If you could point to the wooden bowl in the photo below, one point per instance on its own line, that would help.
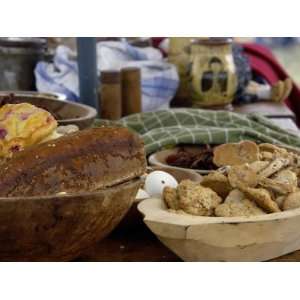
(56, 96)
(65, 112)
(58, 228)
(193, 238)
(158, 159)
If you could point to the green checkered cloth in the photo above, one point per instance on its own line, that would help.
(162, 129)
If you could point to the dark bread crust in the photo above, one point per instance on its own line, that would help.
(84, 161)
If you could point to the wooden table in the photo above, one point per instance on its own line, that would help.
(135, 242)
(266, 108)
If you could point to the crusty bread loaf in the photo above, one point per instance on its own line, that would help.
(80, 162)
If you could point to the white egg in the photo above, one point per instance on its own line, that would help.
(156, 181)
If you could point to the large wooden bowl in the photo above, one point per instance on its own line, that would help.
(58, 228)
(65, 112)
(193, 238)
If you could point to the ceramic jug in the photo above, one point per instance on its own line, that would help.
(212, 72)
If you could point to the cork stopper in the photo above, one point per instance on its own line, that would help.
(131, 70)
(110, 77)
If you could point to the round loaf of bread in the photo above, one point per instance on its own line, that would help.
(87, 160)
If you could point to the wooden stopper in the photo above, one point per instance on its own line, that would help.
(131, 91)
(110, 94)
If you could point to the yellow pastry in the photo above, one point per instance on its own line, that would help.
(23, 125)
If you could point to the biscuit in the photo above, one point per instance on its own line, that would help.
(286, 176)
(262, 198)
(271, 152)
(196, 199)
(235, 153)
(242, 176)
(235, 196)
(266, 156)
(275, 166)
(170, 198)
(258, 166)
(279, 200)
(283, 182)
(266, 147)
(236, 205)
(243, 208)
(292, 201)
(218, 182)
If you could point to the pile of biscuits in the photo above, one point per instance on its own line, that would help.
(251, 180)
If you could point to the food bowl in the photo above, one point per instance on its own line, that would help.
(59, 227)
(65, 112)
(194, 238)
(158, 159)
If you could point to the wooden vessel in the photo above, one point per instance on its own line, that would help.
(193, 238)
(64, 111)
(59, 227)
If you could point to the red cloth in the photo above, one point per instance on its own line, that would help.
(264, 63)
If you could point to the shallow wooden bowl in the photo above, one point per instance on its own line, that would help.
(194, 238)
(58, 228)
(65, 112)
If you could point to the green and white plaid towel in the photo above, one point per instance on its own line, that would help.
(195, 126)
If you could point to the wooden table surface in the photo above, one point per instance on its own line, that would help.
(266, 108)
(136, 243)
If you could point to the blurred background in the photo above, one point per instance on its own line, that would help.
(286, 49)
(71, 68)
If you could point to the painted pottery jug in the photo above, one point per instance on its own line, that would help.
(212, 72)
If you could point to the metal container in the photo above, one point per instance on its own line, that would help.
(18, 58)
